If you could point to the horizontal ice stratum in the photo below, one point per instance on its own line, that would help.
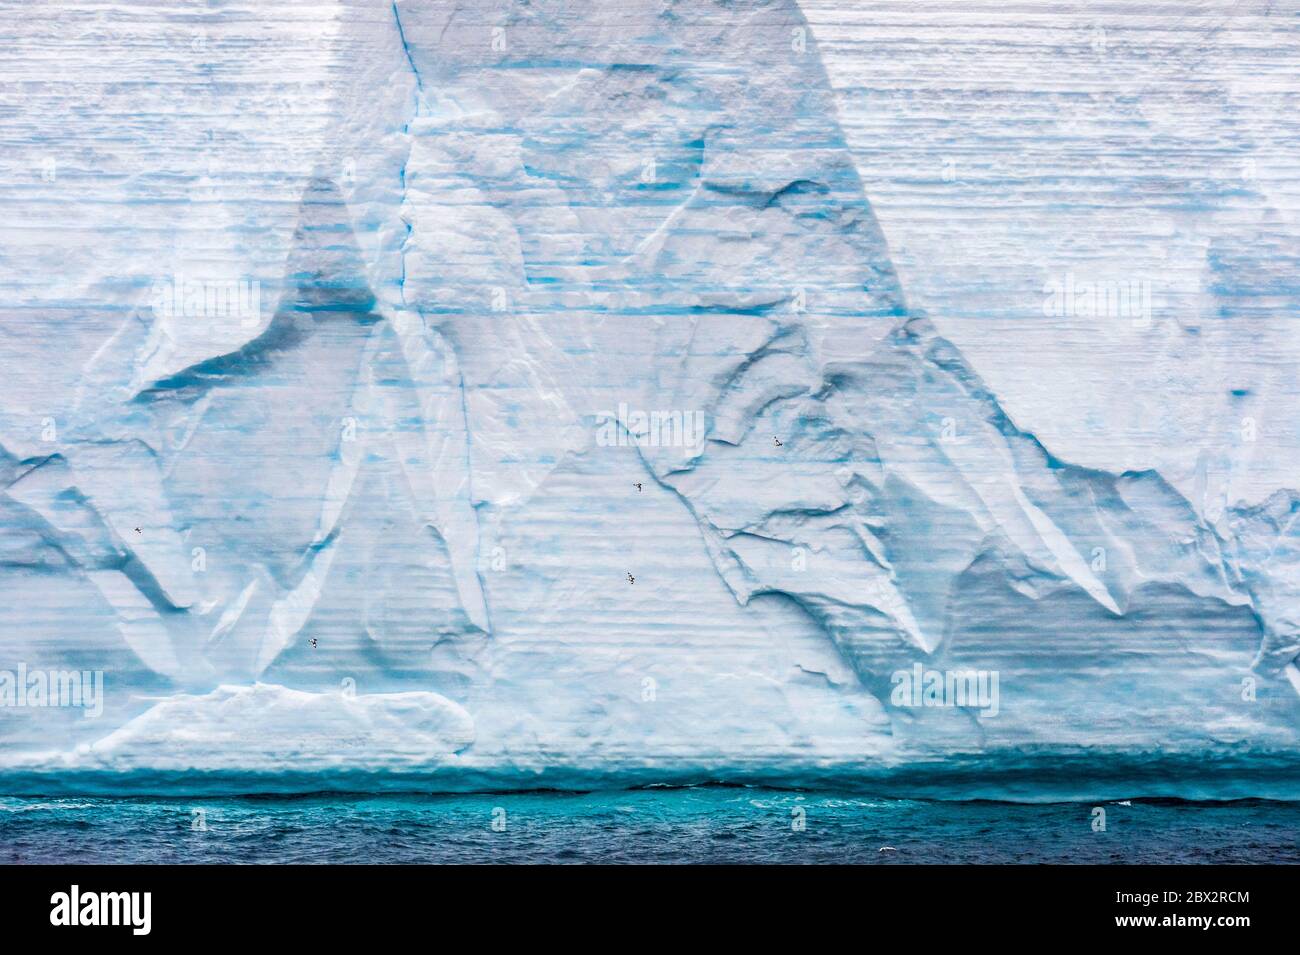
(517, 394)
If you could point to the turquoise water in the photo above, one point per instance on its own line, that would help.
(707, 824)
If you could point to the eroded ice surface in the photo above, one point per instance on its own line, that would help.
(397, 510)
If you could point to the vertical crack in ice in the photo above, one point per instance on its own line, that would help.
(473, 598)
(406, 48)
(415, 112)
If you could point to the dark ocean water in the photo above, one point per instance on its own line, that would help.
(707, 824)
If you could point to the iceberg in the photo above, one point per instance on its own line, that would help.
(526, 395)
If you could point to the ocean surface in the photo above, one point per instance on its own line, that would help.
(696, 825)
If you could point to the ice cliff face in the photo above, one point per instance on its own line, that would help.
(523, 394)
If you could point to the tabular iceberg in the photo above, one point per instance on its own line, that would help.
(523, 394)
